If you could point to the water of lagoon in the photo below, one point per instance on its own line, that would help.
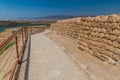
(3, 28)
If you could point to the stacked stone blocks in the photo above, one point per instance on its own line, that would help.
(99, 36)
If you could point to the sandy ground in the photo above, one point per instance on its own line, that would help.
(7, 60)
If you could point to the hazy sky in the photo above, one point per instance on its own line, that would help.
(11, 9)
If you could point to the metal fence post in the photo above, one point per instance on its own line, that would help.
(16, 42)
(31, 30)
(23, 36)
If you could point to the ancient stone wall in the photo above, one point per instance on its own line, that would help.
(99, 36)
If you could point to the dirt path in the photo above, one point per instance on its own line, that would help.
(49, 62)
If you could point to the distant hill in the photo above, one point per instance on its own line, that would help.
(55, 17)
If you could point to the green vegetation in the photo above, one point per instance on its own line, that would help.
(11, 24)
(7, 47)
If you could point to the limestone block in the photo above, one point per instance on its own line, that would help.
(111, 48)
(115, 57)
(101, 35)
(115, 44)
(86, 36)
(113, 37)
(117, 51)
(118, 39)
(109, 30)
(83, 44)
(107, 36)
(108, 53)
(103, 30)
(95, 29)
(92, 33)
(109, 42)
(116, 32)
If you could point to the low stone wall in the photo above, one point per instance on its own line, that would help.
(99, 36)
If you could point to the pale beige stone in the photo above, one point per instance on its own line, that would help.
(113, 37)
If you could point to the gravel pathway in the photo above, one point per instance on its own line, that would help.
(49, 62)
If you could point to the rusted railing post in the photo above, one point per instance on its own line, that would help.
(25, 33)
(31, 30)
(38, 29)
(23, 36)
(13, 70)
(16, 42)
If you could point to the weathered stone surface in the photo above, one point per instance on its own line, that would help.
(100, 34)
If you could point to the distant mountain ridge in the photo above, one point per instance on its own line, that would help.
(54, 17)
(58, 17)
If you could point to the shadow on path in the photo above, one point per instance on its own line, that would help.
(27, 61)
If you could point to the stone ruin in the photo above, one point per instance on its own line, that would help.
(98, 36)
